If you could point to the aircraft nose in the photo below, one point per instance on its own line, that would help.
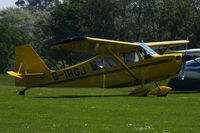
(186, 57)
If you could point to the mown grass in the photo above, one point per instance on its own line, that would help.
(44, 110)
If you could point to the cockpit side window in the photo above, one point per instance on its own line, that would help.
(129, 57)
(110, 60)
(100, 64)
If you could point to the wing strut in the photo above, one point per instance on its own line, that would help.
(120, 62)
(167, 48)
(104, 76)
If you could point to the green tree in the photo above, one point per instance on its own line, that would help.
(9, 38)
(67, 21)
(29, 22)
(140, 20)
(19, 18)
(85, 17)
(100, 18)
(34, 5)
(178, 20)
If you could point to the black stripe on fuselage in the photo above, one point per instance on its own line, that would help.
(101, 73)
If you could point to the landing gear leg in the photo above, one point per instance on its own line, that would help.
(23, 91)
(157, 85)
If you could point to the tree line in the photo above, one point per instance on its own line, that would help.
(43, 22)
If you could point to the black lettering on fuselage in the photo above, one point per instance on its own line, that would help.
(83, 72)
(65, 72)
(70, 73)
(74, 72)
(55, 75)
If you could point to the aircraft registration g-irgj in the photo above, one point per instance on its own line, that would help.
(115, 64)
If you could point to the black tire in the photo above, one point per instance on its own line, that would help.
(21, 93)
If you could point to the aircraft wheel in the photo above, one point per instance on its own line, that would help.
(162, 91)
(21, 93)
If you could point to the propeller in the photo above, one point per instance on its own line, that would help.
(183, 70)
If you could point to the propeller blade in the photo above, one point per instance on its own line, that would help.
(185, 58)
(183, 70)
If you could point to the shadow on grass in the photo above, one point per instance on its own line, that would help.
(93, 96)
(83, 96)
(183, 92)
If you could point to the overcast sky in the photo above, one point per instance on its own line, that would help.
(7, 3)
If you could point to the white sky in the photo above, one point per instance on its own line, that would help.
(7, 3)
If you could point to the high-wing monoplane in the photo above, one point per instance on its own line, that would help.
(115, 64)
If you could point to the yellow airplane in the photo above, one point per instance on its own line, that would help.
(115, 64)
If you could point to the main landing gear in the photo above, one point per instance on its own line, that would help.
(22, 92)
(160, 90)
(143, 91)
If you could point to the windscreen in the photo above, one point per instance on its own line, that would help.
(148, 50)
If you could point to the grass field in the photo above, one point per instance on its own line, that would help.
(46, 110)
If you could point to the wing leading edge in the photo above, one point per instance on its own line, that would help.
(166, 43)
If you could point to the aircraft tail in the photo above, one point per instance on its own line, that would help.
(27, 64)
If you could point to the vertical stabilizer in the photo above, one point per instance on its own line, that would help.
(28, 61)
(30, 70)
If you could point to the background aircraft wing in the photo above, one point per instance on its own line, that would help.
(91, 45)
(189, 51)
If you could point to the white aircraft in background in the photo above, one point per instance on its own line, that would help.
(191, 69)
(189, 76)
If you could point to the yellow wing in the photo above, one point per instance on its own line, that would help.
(91, 45)
(96, 45)
(166, 43)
